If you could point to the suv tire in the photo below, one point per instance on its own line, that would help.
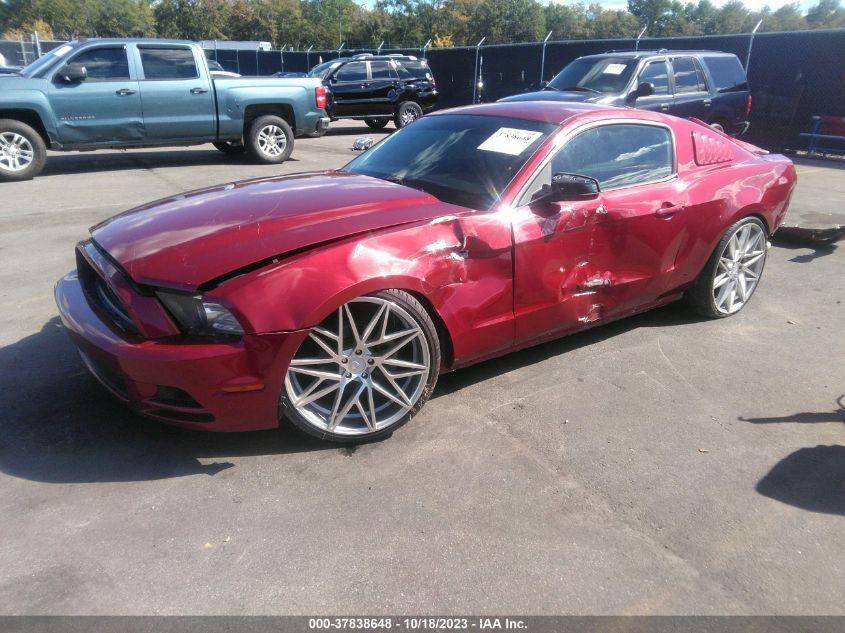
(269, 140)
(376, 124)
(22, 151)
(407, 113)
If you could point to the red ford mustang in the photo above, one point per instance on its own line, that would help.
(335, 298)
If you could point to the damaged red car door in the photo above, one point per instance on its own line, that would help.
(577, 262)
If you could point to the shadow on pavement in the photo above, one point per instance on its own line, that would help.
(810, 478)
(673, 314)
(816, 250)
(806, 417)
(62, 163)
(61, 426)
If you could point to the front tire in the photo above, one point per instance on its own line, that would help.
(407, 113)
(366, 370)
(733, 271)
(230, 148)
(22, 151)
(269, 140)
(376, 124)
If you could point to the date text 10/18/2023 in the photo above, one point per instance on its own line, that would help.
(416, 623)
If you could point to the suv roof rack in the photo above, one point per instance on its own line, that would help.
(638, 50)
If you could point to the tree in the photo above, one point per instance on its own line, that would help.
(504, 21)
(566, 21)
(827, 14)
(651, 14)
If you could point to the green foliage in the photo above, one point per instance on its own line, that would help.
(399, 23)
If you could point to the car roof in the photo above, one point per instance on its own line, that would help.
(641, 53)
(546, 111)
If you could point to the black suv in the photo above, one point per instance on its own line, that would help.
(378, 88)
(707, 85)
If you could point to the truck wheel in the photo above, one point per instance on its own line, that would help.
(376, 124)
(406, 113)
(22, 151)
(228, 147)
(269, 140)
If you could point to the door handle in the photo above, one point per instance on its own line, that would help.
(198, 91)
(124, 92)
(664, 106)
(667, 210)
(707, 103)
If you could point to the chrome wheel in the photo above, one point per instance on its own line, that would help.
(16, 152)
(272, 140)
(362, 370)
(739, 268)
(409, 115)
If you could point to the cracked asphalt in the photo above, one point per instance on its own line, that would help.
(662, 464)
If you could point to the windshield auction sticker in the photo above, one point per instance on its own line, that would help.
(508, 140)
(614, 69)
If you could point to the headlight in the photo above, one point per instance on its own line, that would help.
(195, 315)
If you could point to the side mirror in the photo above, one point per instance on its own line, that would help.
(645, 89)
(568, 187)
(71, 73)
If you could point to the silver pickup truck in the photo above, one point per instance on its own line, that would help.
(125, 93)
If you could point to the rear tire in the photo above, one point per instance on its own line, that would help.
(733, 271)
(269, 140)
(366, 370)
(230, 148)
(376, 124)
(23, 152)
(407, 113)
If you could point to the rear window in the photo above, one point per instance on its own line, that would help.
(168, 63)
(727, 73)
(417, 69)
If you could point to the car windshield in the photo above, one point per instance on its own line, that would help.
(461, 159)
(606, 75)
(46, 60)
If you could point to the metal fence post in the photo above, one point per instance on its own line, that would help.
(308, 58)
(750, 44)
(476, 79)
(637, 43)
(543, 59)
(425, 46)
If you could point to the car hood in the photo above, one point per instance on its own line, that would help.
(184, 241)
(556, 95)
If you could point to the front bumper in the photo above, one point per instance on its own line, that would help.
(227, 385)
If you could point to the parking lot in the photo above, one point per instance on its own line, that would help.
(663, 464)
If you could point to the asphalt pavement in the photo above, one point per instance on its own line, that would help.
(663, 464)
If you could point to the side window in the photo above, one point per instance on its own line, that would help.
(619, 155)
(688, 76)
(104, 64)
(168, 63)
(380, 70)
(353, 71)
(656, 73)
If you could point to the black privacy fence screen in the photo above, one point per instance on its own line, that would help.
(793, 75)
